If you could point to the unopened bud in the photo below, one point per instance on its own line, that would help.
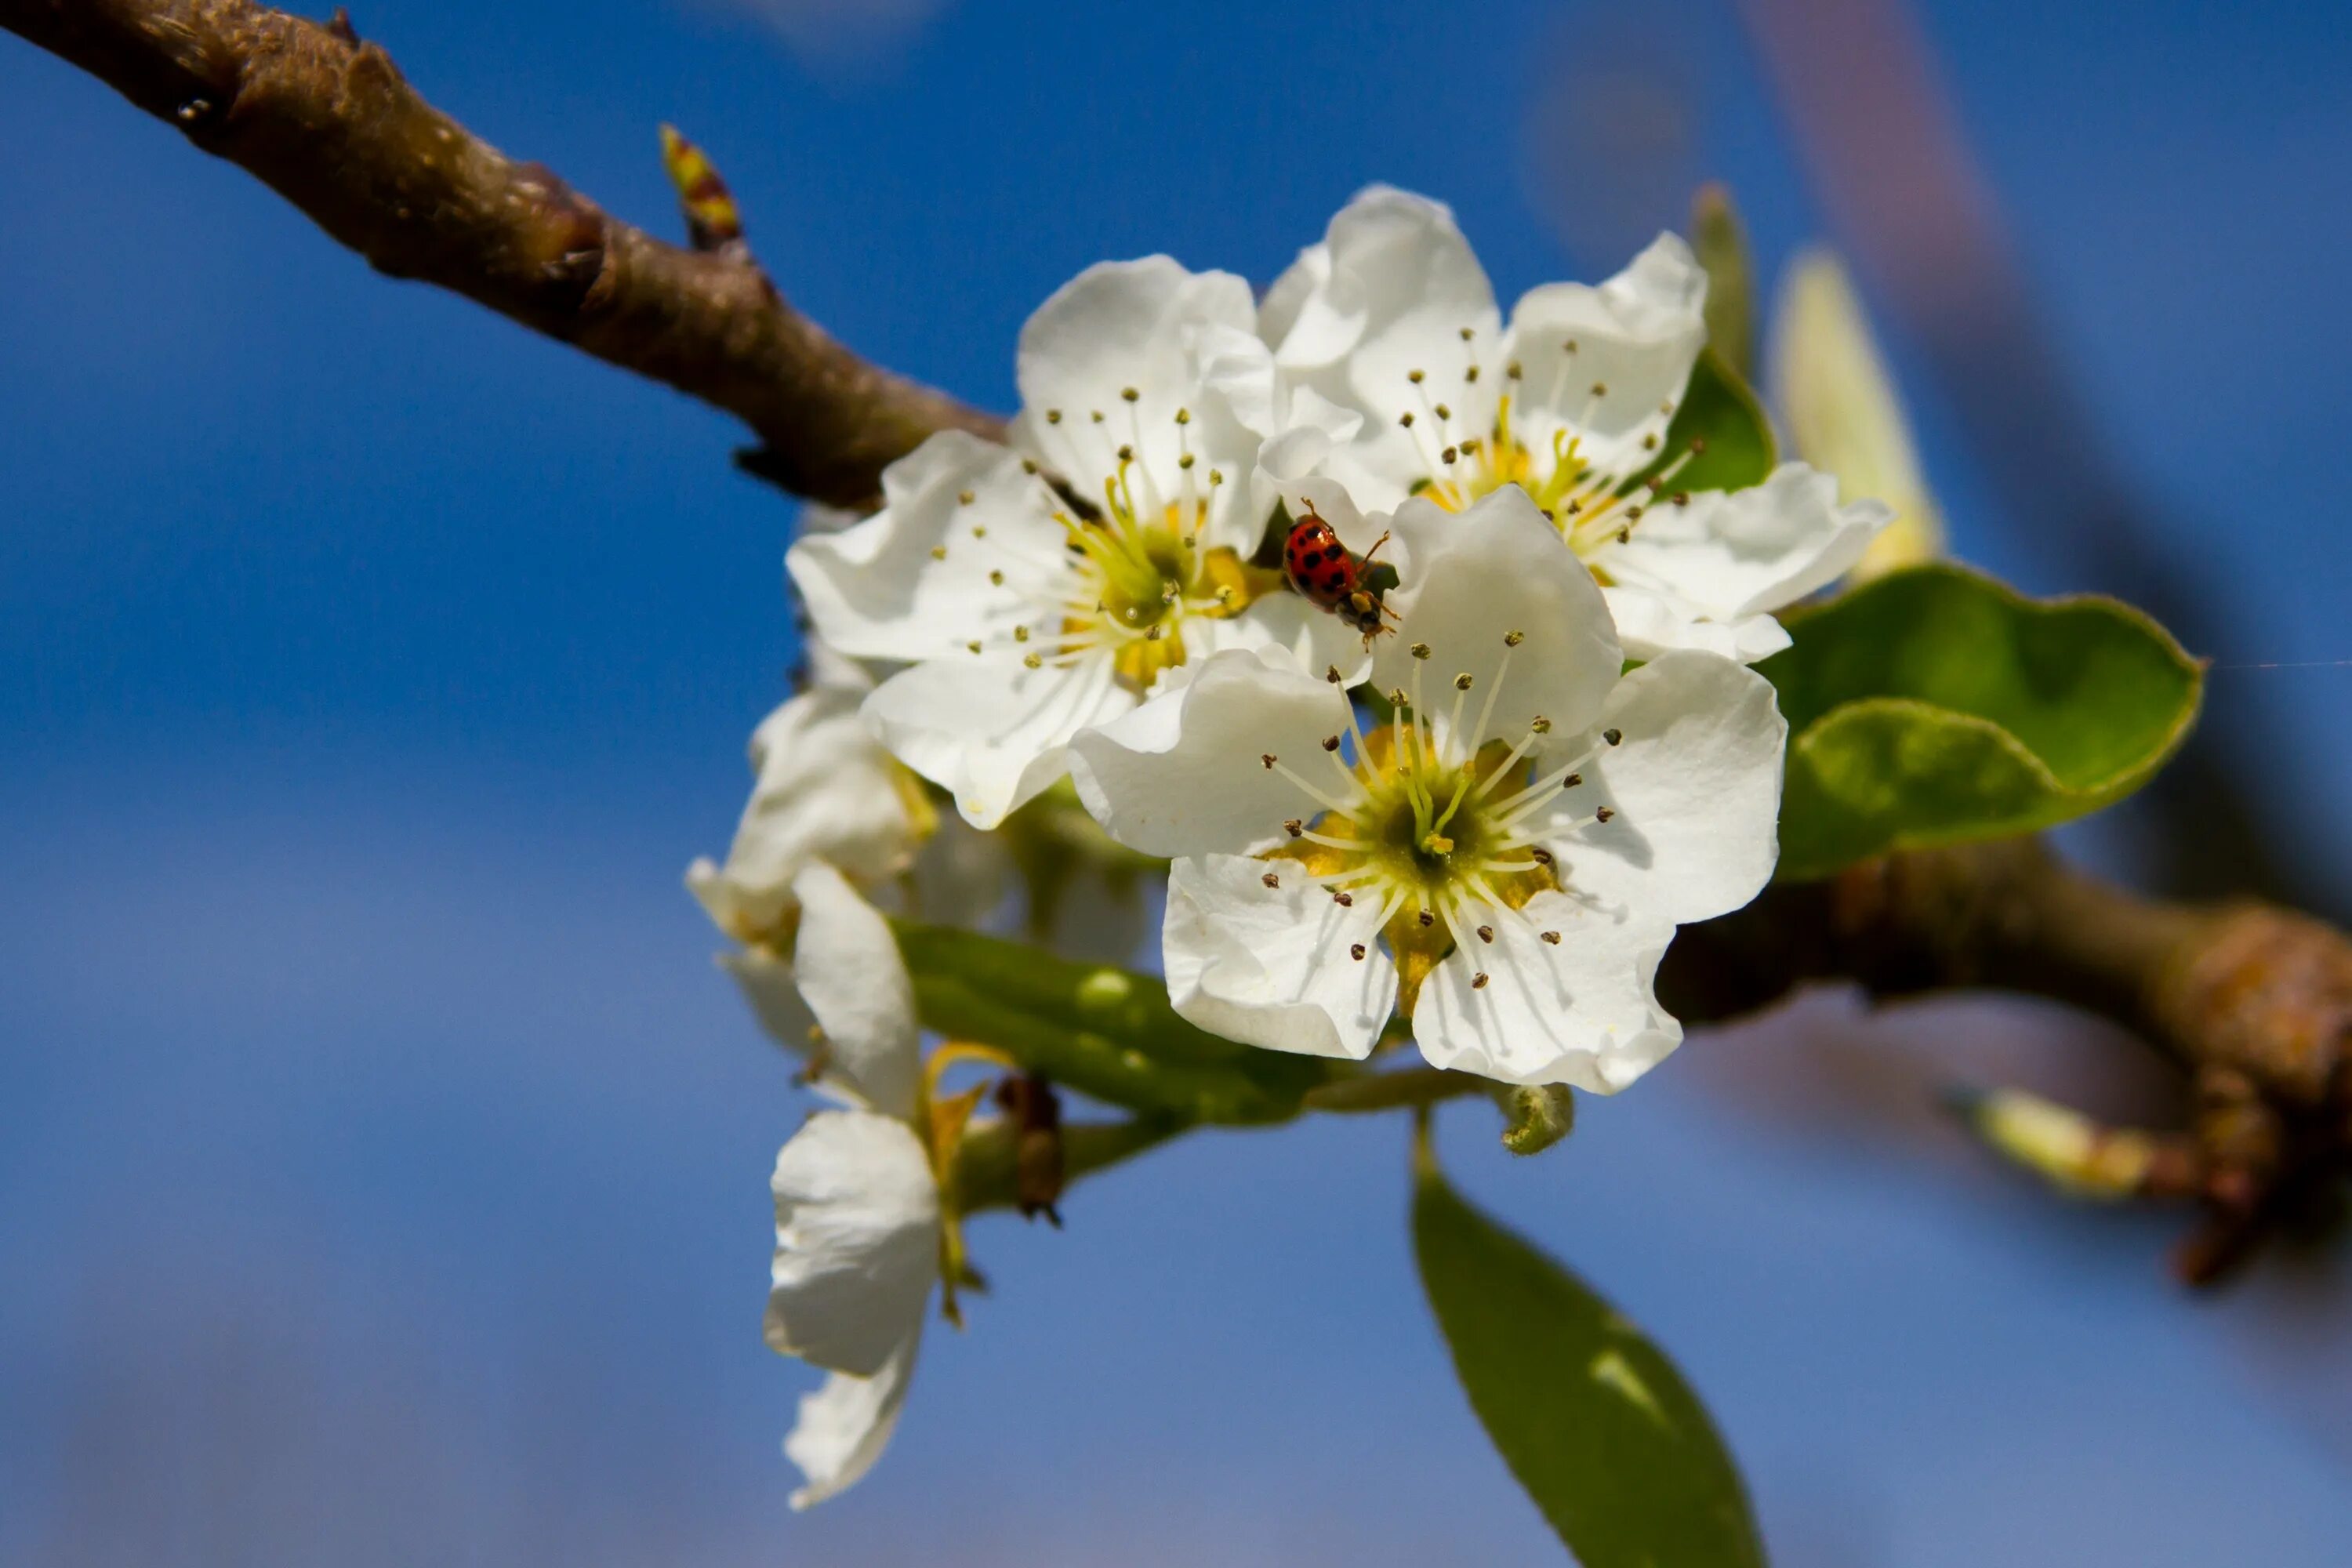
(1540, 1117)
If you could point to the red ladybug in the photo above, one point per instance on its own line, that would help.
(1351, 586)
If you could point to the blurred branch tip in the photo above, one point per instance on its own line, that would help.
(1720, 240)
(329, 123)
(2249, 1003)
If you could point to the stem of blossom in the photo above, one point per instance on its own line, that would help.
(1413, 1087)
(326, 120)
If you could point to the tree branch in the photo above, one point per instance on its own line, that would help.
(2252, 1002)
(328, 122)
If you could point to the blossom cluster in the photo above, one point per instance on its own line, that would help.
(1485, 816)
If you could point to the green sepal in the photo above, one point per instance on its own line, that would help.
(1936, 706)
(1592, 1419)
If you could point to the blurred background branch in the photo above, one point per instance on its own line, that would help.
(1888, 158)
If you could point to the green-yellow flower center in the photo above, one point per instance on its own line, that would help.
(1592, 508)
(1436, 836)
(1146, 574)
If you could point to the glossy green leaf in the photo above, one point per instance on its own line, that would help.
(1721, 413)
(1591, 1416)
(1103, 1031)
(1935, 706)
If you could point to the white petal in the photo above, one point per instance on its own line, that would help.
(1387, 464)
(854, 980)
(912, 581)
(1238, 398)
(816, 517)
(845, 1425)
(1273, 966)
(1388, 293)
(1116, 327)
(1496, 569)
(1650, 623)
(988, 730)
(771, 988)
(1305, 638)
(1636, 336)
(1401, 284)
(1285, 462)
(1693, 788)
(1741, 552)
(826, 790)
(1184, 774)
(857, 1241)
(1581, 1011)
(1288, 297)
(1238, 369)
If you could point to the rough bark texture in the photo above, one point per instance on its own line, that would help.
(328, 121)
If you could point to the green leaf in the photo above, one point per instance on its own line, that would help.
(1935, 706)
(1103, 1031)
(1591, 1417)
(1721, 411)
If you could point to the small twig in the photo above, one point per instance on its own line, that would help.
(326, 120)
(2253, 1003)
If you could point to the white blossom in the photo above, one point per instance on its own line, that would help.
(1505, 862)
(1023, 617)
(861, 1231)
(824, 790)
(1391, 317)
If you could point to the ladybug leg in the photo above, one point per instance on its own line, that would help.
(1375, 550)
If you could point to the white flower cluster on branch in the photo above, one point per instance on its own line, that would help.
(1383, 624)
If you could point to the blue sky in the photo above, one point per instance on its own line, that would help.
(383, 1159)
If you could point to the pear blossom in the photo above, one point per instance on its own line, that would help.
(1504, 861)
(1391, 317)
(1024, 613)
(825, 790)
(863, 1233)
